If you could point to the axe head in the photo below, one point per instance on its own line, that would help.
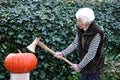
(33, 45)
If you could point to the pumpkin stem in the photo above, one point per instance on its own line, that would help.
(19, 51)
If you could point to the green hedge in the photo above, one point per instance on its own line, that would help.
(54, 23)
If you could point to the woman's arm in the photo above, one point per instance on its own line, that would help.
(91, 51)
(71, 47)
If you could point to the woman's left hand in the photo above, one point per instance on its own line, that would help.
(75, 67)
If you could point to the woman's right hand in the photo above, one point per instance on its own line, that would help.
(58, 55)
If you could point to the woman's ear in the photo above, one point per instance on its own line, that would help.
(87, 24)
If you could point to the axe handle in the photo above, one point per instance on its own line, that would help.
(42, 45)
(117, 64)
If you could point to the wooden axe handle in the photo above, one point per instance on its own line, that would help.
(42, 45)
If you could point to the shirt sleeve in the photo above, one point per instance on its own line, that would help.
(91, 51)
(71, 47)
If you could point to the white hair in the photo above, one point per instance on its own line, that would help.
(85, 14)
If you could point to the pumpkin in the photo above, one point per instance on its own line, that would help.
(20, 62)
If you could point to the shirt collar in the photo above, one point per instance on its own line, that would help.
(85, 28)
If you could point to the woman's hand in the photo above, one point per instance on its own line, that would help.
(58, 55)
(75, 67)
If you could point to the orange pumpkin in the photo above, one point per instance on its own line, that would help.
(20, 62)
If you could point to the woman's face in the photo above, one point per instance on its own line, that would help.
(82, 25)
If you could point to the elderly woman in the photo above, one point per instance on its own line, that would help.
(89, 42)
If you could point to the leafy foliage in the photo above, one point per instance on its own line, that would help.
(53, 21)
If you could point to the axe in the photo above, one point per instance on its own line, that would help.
(36, 42)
